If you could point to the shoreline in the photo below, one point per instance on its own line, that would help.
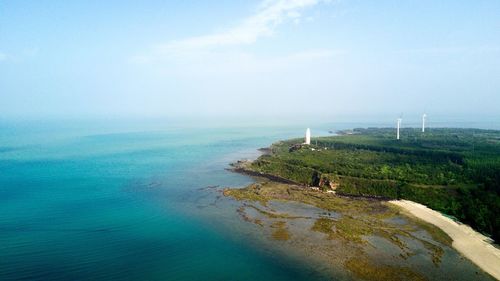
(471, 244)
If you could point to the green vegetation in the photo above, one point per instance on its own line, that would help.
(280, 232)
(368, 270)
(455, 171)
(346, 228)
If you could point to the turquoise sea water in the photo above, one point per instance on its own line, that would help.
(102, 202)
(128, 201)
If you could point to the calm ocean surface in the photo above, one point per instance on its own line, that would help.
(128, 201)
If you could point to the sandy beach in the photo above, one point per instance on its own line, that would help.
(471, 244)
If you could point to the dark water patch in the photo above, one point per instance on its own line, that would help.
(48, 229)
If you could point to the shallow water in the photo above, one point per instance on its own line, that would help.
(125, 201)
(330, 254)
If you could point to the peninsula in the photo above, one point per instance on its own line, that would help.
(364, 174)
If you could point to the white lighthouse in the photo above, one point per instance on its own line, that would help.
(423, 122)
(398, 125)
(308, 136)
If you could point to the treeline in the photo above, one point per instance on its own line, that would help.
(296, 173)
(430, 155)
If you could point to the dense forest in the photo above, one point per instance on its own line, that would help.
(455, 171)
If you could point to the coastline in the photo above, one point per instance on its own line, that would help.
(469, 247)
(471, 244)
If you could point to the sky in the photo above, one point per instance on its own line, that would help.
(249, 58)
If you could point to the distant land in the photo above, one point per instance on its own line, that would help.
(454, 171)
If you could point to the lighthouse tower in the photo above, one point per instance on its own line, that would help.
(308, 136)
(423, 122)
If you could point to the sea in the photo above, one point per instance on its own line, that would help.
(137, 200)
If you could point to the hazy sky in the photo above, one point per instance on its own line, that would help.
(242, 57)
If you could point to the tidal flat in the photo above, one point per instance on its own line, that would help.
(367, 239)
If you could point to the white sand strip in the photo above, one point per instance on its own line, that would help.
(471, 244)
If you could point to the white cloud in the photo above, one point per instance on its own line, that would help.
(269, 15)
